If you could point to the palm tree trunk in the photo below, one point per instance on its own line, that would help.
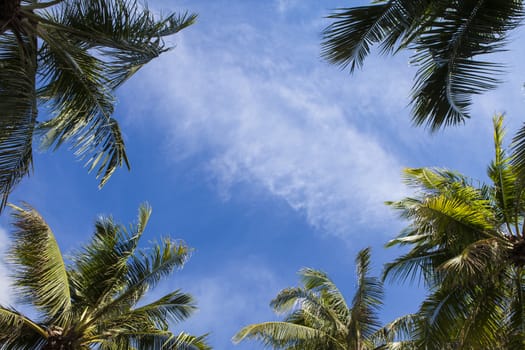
(56, 340)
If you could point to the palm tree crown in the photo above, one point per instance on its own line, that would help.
(67, 57)
(466, 241)
(93, 301)
(318, 316)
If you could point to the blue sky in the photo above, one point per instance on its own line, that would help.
(263, 158)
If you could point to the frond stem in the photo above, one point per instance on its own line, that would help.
(42, 5)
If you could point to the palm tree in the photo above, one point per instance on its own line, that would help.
(447, 38)
(66, 58)
(93, 300)
(318, 317)
(466, 242)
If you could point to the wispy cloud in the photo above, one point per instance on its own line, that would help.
(261, 119)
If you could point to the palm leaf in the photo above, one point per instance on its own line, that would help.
(78, 91)
(40, 272)
(18, 331)
(283, 335)
(101, 268)
(17, 110)
(126, 35)
(367, 300)
(348, 40)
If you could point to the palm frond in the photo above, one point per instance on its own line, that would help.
(101, 268)
(40, 271)
(143, 272)
(281, 335)
(185, 341)
(18, 331)
(367, 299)
(449, 75)
(18, 110)
(348, 40)
(447, 37)
(314, 306)
(125, 34)
(507, 189)
(173, 307)
(319, 281)
(78, 92)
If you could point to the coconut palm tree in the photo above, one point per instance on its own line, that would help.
(65, 58)
(318, 316)
(92, 300)
(466, 242)
(448, 37)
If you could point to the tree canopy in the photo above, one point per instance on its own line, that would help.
(93, 299)
(64, 60)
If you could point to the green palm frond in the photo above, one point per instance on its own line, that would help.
(17, 110)
(144, 271)
(127, 36)
(318, 317)
(282, 335)
(315, 280)
(507, 189)
(367, 299)
(518, 153)
(77, 53)
(95, 301)
(18, 331)
(173, 307)
(400, 331)
(467, 244)
(185, 341)
(515, 328)
(447, 38)
(348, 40)
(40, 271)
(315, 307)
(101, 268)
(79, 93)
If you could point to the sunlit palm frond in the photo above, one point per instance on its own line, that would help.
(40, 271)
(94, 302)
(315, 307)
(185, 341)
(318, 317)
(318, 281)
(282, 335)
(126, 35)
(78, 92)
(367, 301)
(144, 270)
(398, 333)
(173, 307)
(101, 268)
(508, 190)
(518, 153)
(18, 331)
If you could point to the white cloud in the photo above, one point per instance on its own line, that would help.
(286, 5)
(302, 134)
(6, 297)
